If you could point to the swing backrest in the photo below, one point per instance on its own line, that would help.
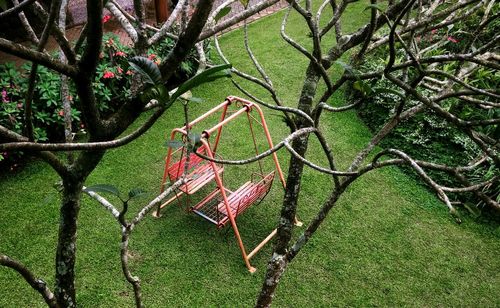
(176, 169)
(246, 195)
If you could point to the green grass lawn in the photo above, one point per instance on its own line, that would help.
(388, 243)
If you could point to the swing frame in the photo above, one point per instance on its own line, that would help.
(214, 172)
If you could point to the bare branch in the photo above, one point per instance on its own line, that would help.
(16, 8)
(126, 25)
(91, 146)
(296, 134)
(237, 18)
(36, 57)
(36, 283)
(26, 24)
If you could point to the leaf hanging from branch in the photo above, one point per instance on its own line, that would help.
(211, 74)
(147, 68)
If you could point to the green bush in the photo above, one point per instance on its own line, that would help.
(112, 86)
(427, 136)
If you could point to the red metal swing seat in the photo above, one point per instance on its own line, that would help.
(221, 206)
(199, 171)
(213, 208)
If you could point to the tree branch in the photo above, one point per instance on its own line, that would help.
(36, 283)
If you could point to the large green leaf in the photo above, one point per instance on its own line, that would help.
(136, 192)
(3, 5)
(211, 74)
(147, 68)
(244, 3)
(362, 87)
(222, 13)
(106, 188)
(175, 144)
(374, 6)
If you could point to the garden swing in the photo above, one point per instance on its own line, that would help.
(222, 206)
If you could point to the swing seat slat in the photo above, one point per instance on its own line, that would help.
(213, 207)
(200, 172)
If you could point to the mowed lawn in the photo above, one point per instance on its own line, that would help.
(388, 243)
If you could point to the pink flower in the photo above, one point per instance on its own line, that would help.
(5, 98)
(119, 69)
(61, 112)
(106, 18)
(452, 39)
(152, 56)
(129, 72)
(108, 74)
(120, 54)
(19, 105)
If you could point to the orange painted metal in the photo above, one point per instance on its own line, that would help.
(227, 204)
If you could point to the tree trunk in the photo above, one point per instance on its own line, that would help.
(66, 246)
(70, 206)
(277, 265)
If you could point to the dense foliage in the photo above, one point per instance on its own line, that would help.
(111, 84)
(427, 136)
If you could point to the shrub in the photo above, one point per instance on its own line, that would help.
(112, 86)
(426, 136)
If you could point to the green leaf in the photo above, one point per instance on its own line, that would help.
(174, 144)
(473, 210)
(136, 192)
(3, 5)
(374, 6)
(194, 140)
(362, 87)
(389, 91)
(186, 95)
(158, 92)
(348, 68)
(211, 74)
(104, 188)
(244, 3)
(196, 99)
(147, 68)
(222, 13)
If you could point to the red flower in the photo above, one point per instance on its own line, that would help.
(106, 18)
(108, 74)
(61, 112)
(119, 69)
(129, 72)
(152, 56)
(452, 39)
(110, 42)
(120, 54)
